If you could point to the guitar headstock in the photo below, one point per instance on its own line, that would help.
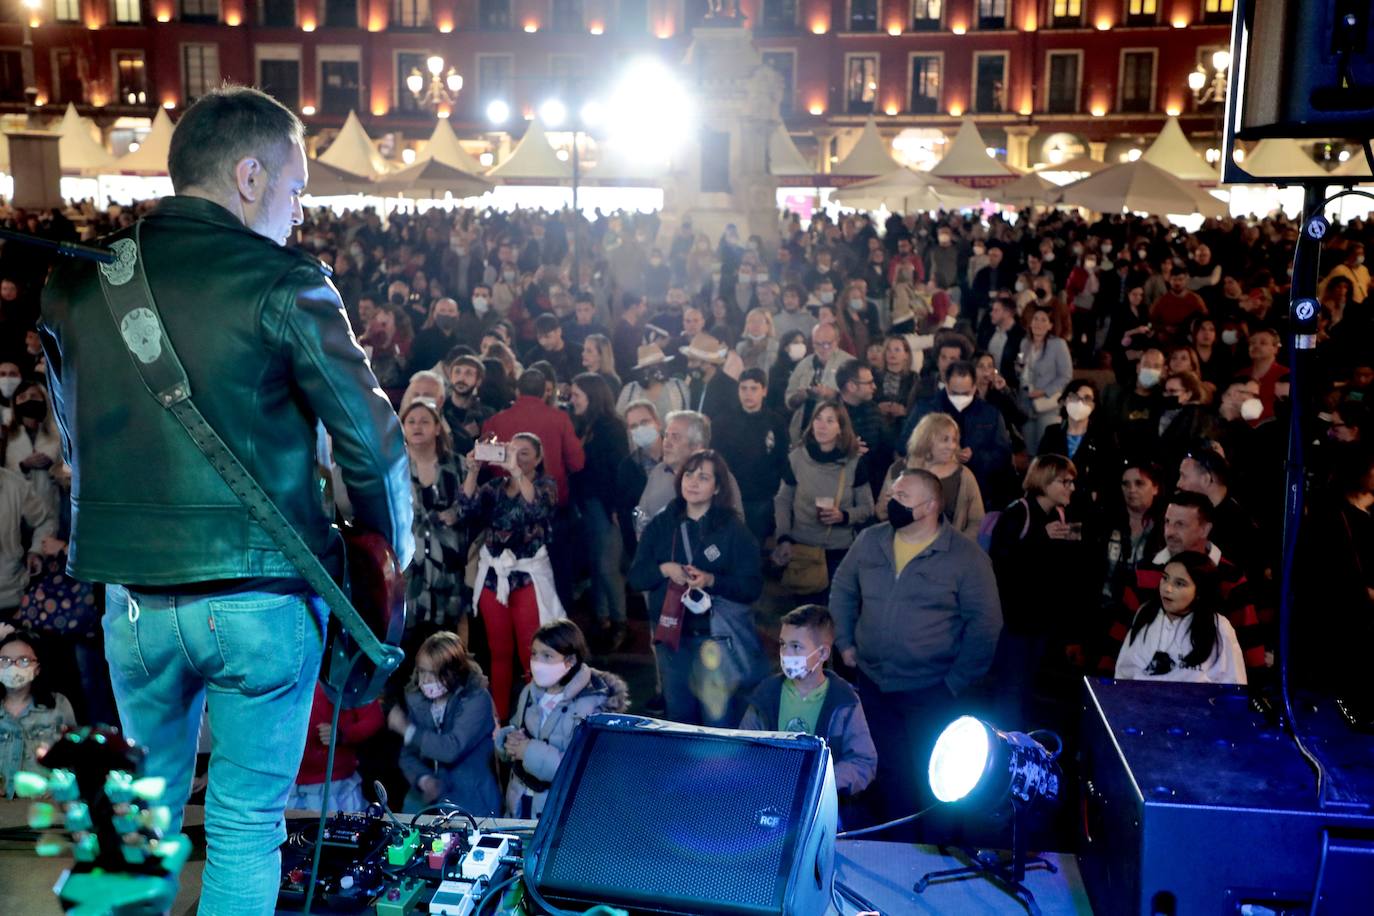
(109, 820)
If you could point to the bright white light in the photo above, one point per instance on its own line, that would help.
(1196, 80)
(486, 159)
(498, 111)
(454, 82)
(1221, 61)
(562, 155)
(408, 156)
(650, 113)
(553, 113)
(415, 82)
(990, 151)
(133, 147)
(1343, 156)
(1133, 155)
(1238, 155)
(959, 759)
(435, 64)
(593, 114)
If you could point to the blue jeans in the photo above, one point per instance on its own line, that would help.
(254, 658)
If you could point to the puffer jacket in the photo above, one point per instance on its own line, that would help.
(458, 752)
(589, 692)
(269, 355)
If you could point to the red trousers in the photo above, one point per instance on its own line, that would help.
(510, 630)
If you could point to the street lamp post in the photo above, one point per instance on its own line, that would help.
(441, 90)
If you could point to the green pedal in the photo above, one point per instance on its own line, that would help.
(400, 898)
(402, 852)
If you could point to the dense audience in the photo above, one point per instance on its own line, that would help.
(944, 463)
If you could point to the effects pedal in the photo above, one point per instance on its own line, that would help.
(485, 855)
(454, 898)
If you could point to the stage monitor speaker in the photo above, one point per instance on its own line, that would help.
(1194, 803)
(657, 817)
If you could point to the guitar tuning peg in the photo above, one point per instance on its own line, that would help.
(150, 788)
(62, 784)
(119, 787)
(86, 848)
(41, 815)
(51, 844)
(78, 817)
(158, 818)
(126, 823)
(29, 785)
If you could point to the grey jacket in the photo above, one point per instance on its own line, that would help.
(19, 502)
(937, 623)
(1051, 373)
(588, 693)
(794, 508)
(459, 751)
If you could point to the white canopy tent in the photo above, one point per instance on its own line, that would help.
(904, 190)
(354, 152)
(1070, 170)
(77, 149)
(1172, 152)
(151, 156)
(783, 157)
(533, 159)
(967, 160)
(1281, 157)
(1143, 187)
(869, 156)
(1030, 190)
(443, 146)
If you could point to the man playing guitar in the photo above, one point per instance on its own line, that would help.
(202, 607)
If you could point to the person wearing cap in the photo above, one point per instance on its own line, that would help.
(652, 383)
(711, 372)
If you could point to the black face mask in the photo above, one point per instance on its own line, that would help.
(1170, 402)
(31, 410)
(446, 323)
(899, 515)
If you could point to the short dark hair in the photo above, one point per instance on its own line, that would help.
(531, 383)
(753, 375)
(1186, 499)
(813, 617)
(960, 367)
(225, 125)
(1211, 461)
(546, 324)
(931, 482)
(468, 360)
(849, 372)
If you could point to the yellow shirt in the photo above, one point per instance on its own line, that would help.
(906, 551)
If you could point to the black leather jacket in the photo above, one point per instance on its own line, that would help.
(269, 353)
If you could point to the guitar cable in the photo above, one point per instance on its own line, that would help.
(324, 797)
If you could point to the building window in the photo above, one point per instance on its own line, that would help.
(567, 15)
(861, 83)
(67, 85)
(989, 87)
(779, 16)
(1218, 10)
(339, 82)
(1066, 14)
(199, 70)
(992, 14)
(281, 79)
(494, 79)
(565, 76)
(341, 14)
(406, 62)
(1142, 12)
(925, 84)
(11, 75)
(127, 12)
(200, 11)
(410, 14)
(66, 10)
(783, 63)
(633, 15)
(131, 78)
(1137, 81)
(279, 14)
(495, 15)
(1061, 96)
(925, 15)
(863, 15)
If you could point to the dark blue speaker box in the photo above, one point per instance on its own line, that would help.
(664, 818)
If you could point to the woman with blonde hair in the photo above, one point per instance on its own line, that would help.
(934, 447)
(758, 345)
(598, 357)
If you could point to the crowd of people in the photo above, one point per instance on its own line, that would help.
(848, 480)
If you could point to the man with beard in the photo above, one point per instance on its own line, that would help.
(463, 412)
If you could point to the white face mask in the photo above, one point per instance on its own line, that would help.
(826, 296)
(1077, 410)
(480, 304)
(1251, 409)
(1230, 337)
(8, 385)
(960, 401)
(644, 435)
(796, 667)
(15, 677)
(1020, 286)
(856, 305)
(796, 352)
(1147, 378)
(546, 674)
(433, 690)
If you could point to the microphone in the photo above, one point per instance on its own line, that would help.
(381, 800)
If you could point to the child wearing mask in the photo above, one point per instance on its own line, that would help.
(564, 691)
(32, 714)
(446, 728)
(807, 698)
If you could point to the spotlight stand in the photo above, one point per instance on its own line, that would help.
(1009, 875)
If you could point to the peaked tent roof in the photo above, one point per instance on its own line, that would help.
(967, 157)
(614, 166)
(1140, 186)
(430, 179)
(77, 149)
(783, 157)
(1030, 190)
(533, 157)
(1282, 157)
(1356, 166)
(151, 156)
(323, 180)
(1172, 152)
(444, 147)
(869, 157)
(352, 151)
(1076, 164)
(904, 190)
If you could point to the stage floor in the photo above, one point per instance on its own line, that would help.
(881, 872)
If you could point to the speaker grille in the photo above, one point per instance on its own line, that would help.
(680, 820)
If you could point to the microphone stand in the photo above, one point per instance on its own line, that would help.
(69, 249)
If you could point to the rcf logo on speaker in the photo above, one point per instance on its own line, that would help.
(770, 818)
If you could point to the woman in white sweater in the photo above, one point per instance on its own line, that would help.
(1181, 636)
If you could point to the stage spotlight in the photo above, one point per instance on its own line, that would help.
(974, 761)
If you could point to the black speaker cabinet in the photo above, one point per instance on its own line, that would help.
(1194, 803)
(657, 817)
